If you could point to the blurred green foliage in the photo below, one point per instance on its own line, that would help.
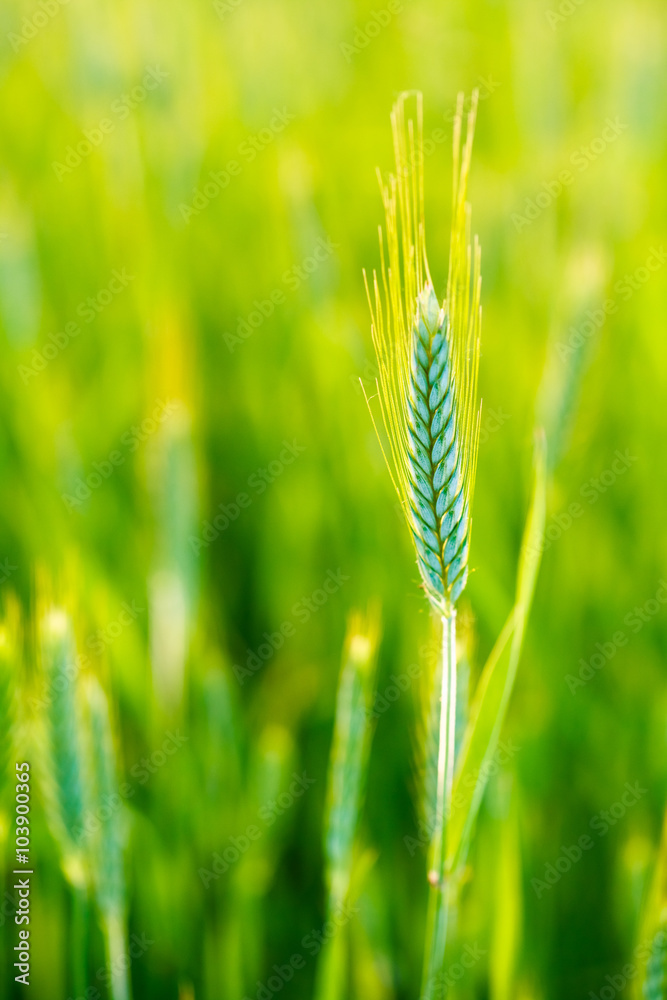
(187, 199)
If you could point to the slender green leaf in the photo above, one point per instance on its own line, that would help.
(495, 685)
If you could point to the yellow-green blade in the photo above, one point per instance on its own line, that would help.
(495, 685)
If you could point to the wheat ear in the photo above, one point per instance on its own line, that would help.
(428, 362)
(428, 359)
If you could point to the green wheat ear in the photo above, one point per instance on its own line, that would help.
(428, 360)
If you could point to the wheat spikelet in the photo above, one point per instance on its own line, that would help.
(428, 358)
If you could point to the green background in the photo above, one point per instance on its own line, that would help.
(321, 77)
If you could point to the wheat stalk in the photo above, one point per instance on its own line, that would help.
(428, 362)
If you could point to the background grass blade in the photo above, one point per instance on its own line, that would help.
(348, 763)
(9, 667)
(508, 910)
(62, 757)
(173, 582)
(651, 947)
(108, 842)
(62, 767)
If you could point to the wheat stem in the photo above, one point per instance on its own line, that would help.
(114, 939)
(79, 939)
(439, 892)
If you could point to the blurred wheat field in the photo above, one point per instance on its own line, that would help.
(192, 493)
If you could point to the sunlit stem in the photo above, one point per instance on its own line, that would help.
(440, 889)
(114, 933)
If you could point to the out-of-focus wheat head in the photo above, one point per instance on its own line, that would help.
(61, 758)
(103, 800)
(173, 488)
(428, 359)
(173, 581)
